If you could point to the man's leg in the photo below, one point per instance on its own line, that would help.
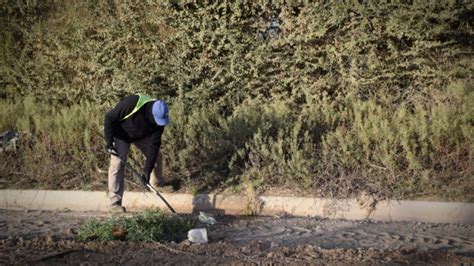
(156, 176)
(116, 172)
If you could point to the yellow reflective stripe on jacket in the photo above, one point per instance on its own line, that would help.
(142, 100)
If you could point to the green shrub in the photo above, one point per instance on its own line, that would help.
(58, 149)
(405, 151)
(149, 225)
(335, 100)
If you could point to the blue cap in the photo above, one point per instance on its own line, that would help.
(160, 113)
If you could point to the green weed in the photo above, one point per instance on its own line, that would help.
(149, 225)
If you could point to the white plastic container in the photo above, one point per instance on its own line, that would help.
(198, 235)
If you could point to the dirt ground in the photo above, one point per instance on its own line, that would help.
(45, 237)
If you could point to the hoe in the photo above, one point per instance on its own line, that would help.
(147, 184)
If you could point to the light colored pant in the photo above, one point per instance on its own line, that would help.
(117, 169)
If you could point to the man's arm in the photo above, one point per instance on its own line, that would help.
(114, 116)
(152, 152)
(110, 122)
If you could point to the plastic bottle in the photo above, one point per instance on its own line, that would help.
(198, 235)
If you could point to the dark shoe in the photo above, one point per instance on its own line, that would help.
(116, 209)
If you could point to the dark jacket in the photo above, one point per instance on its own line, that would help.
(139, 126)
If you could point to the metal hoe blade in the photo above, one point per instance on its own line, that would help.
(161, 197)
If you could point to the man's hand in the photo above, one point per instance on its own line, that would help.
(112, 151)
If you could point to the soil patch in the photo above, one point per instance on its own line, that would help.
(46, 237)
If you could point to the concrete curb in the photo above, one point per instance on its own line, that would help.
(421, 211)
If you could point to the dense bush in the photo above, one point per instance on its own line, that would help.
(331, 99)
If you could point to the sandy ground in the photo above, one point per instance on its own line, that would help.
(45, 237)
